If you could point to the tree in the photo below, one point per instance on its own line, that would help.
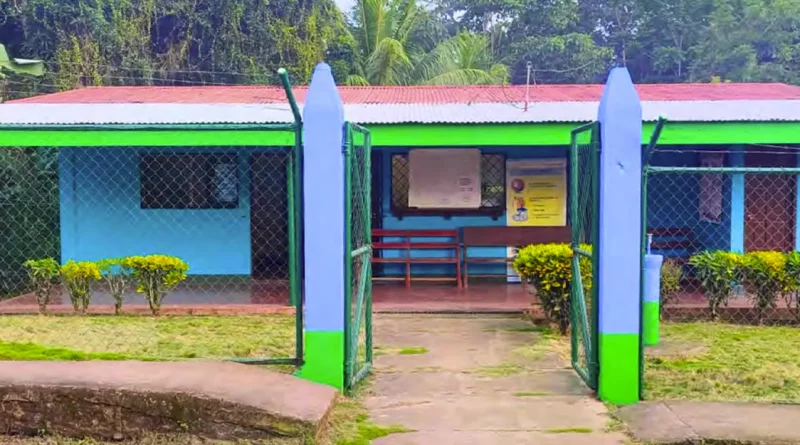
(398, 46)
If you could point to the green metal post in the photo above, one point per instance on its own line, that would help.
(368, 238)
(594, 362)
(575, 220)
(348, 259)
(299, 304)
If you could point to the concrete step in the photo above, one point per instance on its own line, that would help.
(121, 400)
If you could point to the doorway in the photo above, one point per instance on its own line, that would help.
(269, 229)
(770, 204)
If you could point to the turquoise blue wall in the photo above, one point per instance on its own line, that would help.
(437, 222)
(101, 215)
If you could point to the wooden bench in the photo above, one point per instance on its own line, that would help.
(504, 237)
(407, 241)
(673, 240)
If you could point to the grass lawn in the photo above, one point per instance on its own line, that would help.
(706, 361)
(145, 338)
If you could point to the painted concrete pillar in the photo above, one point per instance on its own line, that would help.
(323, 229)
(737, 200)
(651, 311)
(618, 278)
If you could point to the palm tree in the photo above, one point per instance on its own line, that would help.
(464, 59)
(390, 35)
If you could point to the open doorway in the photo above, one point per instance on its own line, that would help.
(269, 230)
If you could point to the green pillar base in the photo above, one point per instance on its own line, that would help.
(619, 368)
(324, 358)
(650, 323)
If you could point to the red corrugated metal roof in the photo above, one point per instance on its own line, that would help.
(419, 94)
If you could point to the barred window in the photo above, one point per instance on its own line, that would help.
(188, 181)
(493, 188)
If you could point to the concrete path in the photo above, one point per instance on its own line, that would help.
(479, 381)
(683, 422)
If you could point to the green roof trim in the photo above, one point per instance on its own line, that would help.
(406, 135)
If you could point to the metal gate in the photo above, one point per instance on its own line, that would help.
(584, 201)
(358, 267)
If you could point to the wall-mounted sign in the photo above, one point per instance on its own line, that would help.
(536, 192)
(444, 178)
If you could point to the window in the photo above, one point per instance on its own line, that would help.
(493, 188)
(189, 181)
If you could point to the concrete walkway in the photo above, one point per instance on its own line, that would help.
(479, 381)
(684, 422)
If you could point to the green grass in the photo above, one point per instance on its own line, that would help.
(349, 422)
(413, 351)
(725, 362)
(501, 370)
(32, 351)
(568, 430)
(149, 338)
(531, 394)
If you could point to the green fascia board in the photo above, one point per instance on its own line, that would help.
(405, 135)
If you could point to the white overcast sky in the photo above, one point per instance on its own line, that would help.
(345, 5)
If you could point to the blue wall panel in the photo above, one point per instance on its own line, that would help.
(101, 214)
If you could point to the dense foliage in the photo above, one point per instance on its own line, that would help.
(548, 269)
(93, 42)
(719, 273)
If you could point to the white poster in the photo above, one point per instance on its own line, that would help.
(511, 274)
(444, 178)
(710, 204)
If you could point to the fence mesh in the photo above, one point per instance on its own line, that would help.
(359, 216)
(225, 211)
(584, 180)
(705, 203)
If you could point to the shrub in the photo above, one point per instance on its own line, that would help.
(793, 274)
(548, 268)
(671, 276)
(155, 275)
(767, 279)
(718, 272)
(117, 278)
(78, 278)
(43, 275)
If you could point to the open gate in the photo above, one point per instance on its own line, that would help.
(358, 267)
(584, 200)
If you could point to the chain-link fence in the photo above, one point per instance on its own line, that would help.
(358, 217)
(584, 207)
(725, 220)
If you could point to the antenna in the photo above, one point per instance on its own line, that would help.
(529, 66)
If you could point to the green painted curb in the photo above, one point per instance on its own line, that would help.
(324, 358)
(650, 323)
(619, 368)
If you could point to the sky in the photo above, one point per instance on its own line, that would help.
(345, 5)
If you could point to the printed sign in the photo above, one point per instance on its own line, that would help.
(536, 192)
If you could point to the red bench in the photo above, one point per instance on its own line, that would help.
(502, 236)
(406, 241)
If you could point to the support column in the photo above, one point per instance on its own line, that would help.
(797, 210)
(620, 236)
(323, 229)
(737, 200)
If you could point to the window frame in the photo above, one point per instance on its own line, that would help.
(210, 202)
(495, 212)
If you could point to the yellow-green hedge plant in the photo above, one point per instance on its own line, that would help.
(548, 268)
(155, 275)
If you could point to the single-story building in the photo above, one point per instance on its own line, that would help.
(192, 171)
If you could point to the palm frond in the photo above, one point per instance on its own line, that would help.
(355, 80)
(388, 64)
(463, 77)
